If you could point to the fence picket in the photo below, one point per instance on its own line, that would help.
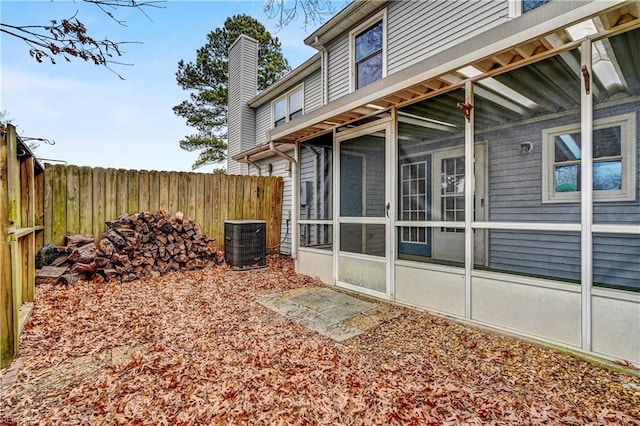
(99, 205)
(173, 192)
(110, 211)
(133, 192)
(199, 202)
(154, 191)
(122, 179)
(59, 206)
(73, 194)
(143, 197)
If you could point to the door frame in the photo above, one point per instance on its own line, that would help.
(385, 125)
(479, 182)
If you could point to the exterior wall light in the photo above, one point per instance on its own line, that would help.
(526, 147)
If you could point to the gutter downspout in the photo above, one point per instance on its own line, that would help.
(294, 197)
(325, 70)
(253, 163)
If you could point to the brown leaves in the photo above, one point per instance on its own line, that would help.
(626, 364)
(194, 348)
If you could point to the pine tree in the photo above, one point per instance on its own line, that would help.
(206, 78)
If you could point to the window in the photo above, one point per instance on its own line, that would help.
(528, 5)
(295, 104)
(368, 52)
(288, 107)
(613, 161)
(452, 191)
(518, 7)
(414, 200)
(279, 112)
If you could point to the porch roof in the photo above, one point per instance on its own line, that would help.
(503, 48)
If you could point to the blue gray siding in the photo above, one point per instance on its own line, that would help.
(279, 169)
(338, 67)
(616, 260)
(312, 100)
(313, 92)
(449, 23)
(316, 191)
(515, 194)
(315, 174)
(548, 254)
(263, 122)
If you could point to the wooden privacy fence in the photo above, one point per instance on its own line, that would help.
(21, 227)
(78, 200)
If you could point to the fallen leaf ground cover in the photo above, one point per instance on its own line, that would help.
(194, 348)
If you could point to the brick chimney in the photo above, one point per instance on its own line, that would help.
(243, 86)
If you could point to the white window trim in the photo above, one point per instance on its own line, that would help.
(627, 123)
(380, 16)
(285, 97)
(515, 8)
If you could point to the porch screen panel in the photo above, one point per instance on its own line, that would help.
(530, 120)
(551, 255)
(431, 180)
(616, 146)
(528, 117)
(362, 193)
(362, 176)
(316, 193)
(363, 238)
(616, 261)
(362, 209)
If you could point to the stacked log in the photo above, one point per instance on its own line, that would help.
(141, 245)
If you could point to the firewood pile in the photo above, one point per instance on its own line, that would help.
(141, 245)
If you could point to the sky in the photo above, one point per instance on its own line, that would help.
(95, 118)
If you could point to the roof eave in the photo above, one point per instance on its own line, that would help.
(339, 23)
(258, 152)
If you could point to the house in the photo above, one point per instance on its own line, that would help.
(477, 159)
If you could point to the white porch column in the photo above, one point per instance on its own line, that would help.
(586, 188)
(469, 160)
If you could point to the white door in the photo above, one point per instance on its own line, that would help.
(363, 211)
(448, 204)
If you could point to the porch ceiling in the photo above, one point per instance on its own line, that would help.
(500, 106)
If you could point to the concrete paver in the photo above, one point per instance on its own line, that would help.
(320, 309)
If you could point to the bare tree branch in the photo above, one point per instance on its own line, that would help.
(115, 4)
(314, 12)
(69, 38)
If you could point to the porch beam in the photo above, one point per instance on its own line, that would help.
(503, 37)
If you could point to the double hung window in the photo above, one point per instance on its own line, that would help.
(288, 107)
(613, 161)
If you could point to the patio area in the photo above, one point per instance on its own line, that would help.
(207, 347)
